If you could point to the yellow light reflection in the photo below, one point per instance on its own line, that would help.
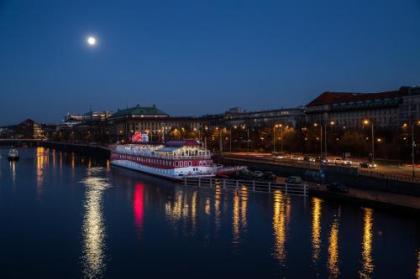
(217, 206)
(316, 229)
(418, 265)
(244, 206)
(73, 162)
(279, 226)
(179, 208)
(207, 206)
(54, 158)
(368, 266)
(194, 210)
(41, 162)
(235, 218)
(93, 225)
(333, 255)
(184, 208)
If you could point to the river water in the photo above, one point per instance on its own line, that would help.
(63, 215)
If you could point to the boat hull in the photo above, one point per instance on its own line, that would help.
(154, 171)
(13, 158)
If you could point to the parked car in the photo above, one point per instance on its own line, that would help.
(368, 165)
(297, 157)
(347, 163)
(294, 180)
(309, 159)
(337, 187)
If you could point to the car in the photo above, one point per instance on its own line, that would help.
(297, 157)
(309, 159)
(368, 165)
(337, 187)
(294, 180)
(347, 163)
(338, 161)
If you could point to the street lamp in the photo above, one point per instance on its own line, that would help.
(367, 122)
(320, 141)
(332, 123)
(247, 130)
(274, 136)
(230, 137)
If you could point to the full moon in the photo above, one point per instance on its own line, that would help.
(91, 41)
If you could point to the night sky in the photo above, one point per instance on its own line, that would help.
(196, 57)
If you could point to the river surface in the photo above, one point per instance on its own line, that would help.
(63, 215)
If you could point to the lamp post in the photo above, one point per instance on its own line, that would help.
(230, 139)
(248, 140)
(367, 122)
(205, 136)
(332, 123)
(320, 140)
(413, 140)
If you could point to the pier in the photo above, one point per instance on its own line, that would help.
(251, 185)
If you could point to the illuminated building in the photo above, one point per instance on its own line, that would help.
(387, 109)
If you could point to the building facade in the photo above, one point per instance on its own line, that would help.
(389, 109)
(158, 124)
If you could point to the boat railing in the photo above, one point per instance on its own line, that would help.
(162, 156)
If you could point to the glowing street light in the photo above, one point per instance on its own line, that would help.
(274, 136)
(367, 122)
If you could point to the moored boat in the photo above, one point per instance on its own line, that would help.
(13, 155)
(174, 160)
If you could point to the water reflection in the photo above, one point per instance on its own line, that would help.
(235, 218)
(184, 206)
(239, 214)
(316, 229)
(60, 159)
(217, 206)
(279, 225)
(54, 159)
(244, 207)
(12, 165)
(194, 210)
(41, 162)
(93, 224)
(367, 268)
(418, 265)
(138, 206)
(207, 207)
(73, 163)
(333, 255)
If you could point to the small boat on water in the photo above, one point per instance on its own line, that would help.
(13, 155)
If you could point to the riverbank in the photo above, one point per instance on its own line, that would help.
(359, 192)
(374, 198)
(366, 197)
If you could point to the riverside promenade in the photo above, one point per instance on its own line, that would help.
(364, 186)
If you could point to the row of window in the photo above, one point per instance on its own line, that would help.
(162, 162)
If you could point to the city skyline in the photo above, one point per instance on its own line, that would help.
(210, 56)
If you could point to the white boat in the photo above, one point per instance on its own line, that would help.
(174, 160)
(13, 155)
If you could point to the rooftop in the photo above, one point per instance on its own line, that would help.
(139, 111)
(328, 98)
